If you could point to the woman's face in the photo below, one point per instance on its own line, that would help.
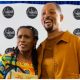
(25, 40)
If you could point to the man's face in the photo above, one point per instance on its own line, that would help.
(25, 40)
(50, 17)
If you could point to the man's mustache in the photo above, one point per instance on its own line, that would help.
(48, 18)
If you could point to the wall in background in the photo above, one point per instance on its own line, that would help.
(14, 14)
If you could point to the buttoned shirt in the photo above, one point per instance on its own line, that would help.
(62, 57)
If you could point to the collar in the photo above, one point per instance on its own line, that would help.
(53, 35)
(64, 37)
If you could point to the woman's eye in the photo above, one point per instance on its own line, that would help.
(27, 36)
(19, 37)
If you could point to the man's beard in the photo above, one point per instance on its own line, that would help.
(49, 28)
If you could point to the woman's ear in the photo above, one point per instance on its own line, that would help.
(61, 17)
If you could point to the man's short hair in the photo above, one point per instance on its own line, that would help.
(57, 6)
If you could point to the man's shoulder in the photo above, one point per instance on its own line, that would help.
(70, 37)
(68, 34)
(41, 46)
(42, 43)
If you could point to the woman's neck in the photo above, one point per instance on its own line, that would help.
(25, 55)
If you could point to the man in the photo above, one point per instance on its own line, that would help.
(59, 54)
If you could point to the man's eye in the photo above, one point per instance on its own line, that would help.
(43, 13)
(52, 12)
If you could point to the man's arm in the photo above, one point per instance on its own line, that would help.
(78, 51)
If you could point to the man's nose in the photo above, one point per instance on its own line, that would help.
(47, 15)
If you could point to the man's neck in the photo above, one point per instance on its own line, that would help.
(54, 34)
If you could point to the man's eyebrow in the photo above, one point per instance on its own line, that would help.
(51, 9)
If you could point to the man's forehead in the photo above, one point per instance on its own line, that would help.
(49, 6)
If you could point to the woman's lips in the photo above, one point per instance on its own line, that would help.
(22, 45)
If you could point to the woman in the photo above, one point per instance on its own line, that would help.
(22, 61)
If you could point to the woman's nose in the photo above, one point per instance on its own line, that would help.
(22, 39)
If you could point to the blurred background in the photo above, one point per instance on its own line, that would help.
(14, 14)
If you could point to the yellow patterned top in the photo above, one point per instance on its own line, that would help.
(26, 67)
